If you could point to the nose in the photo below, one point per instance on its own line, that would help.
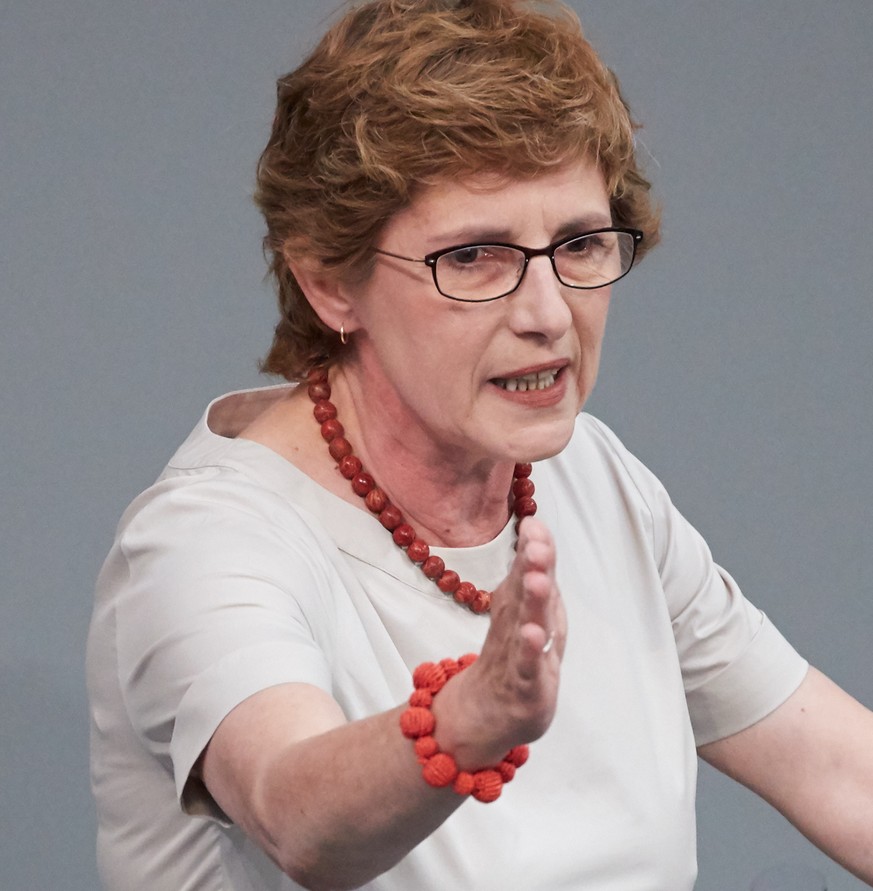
(538, 306)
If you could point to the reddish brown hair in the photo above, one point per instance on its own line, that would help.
(401, 94)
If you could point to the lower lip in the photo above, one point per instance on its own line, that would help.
(537, 398)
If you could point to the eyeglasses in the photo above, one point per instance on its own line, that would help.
(477, 273)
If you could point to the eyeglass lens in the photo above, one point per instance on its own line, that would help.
(484, 272)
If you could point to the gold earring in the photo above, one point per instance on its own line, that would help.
(344, 338)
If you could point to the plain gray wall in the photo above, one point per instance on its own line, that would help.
(737, 366)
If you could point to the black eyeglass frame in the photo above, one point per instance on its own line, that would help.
(529, 253)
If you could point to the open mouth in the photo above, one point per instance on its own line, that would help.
(538, 380)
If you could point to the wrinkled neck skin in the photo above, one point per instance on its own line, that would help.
(451, 497)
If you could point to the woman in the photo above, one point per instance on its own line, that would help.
(450, 191)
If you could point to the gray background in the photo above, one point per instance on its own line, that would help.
(738, 363)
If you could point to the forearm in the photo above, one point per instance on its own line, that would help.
(843, 828)
(339, 808)
(812, 760)
(829, 794)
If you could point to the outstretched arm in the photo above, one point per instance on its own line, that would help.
(336, 803)
(812, 759)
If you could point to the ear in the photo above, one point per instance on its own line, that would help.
(327, 295)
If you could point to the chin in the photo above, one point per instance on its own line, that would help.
(542, 442)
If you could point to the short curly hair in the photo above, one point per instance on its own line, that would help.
(403, 94)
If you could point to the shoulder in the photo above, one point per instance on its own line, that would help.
(216, 476)
(218, 510)
(221, 504)
(214, 548)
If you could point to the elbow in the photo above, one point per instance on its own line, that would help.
(321, 873)
(309, 865)
(329, 864)
(307, 874)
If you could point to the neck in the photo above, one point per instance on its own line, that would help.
(453, 498)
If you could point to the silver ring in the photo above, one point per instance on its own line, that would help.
(549, 643)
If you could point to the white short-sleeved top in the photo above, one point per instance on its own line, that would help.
(235, 572)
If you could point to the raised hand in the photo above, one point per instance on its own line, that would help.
(508, 696)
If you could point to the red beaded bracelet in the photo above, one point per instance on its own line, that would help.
(439, 768)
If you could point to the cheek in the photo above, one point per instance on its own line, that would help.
(590, 324)
(424, 352)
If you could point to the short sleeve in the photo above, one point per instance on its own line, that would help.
(225, 584)
(736, 666)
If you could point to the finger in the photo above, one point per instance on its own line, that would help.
(538, 590)
(532, 530)
(539, 554)
(557, 639)
(525, 598)
(533, 552)
(541, 622)
(536, 553)
(546, 623)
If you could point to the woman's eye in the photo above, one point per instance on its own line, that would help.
(591, 245)
(581, 245)
(468, 255)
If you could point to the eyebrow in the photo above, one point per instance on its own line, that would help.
(476, 235)
(583, 224)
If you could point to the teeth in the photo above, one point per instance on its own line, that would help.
(539, 380)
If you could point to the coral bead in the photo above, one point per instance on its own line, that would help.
(517, 755)
(426, 747)
(525, 507)
(376, 500)
(418, 551)
(404, 535)
(440, 770)
(429, 676)
(464, 783)
(481, 602)
(465, 592)
(340, 448)
(505, 769)
(448, 582)
(421, 698)
(362, 483)
(523, 488)
(433, 567)
(350, 466)
(488, 785)
(522, 470)
(391, 517)
(324, 411)
(416, 722)
(331, 428)
(319, 390)
(451, 666)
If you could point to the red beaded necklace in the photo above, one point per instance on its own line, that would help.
(405, 537)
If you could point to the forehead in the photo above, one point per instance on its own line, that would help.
(455, 209)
